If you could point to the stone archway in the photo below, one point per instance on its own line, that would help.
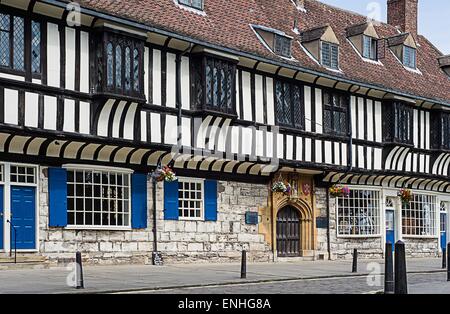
(301, 200)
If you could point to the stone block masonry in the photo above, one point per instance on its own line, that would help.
(179, 241)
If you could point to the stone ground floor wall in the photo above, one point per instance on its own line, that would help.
(370, 247)
(205, 241)
(178, 241)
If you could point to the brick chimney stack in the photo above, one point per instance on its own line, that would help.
(300, 4)
(403, 14)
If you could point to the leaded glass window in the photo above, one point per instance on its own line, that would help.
(136, 70)
(119, 60)
(15, 31)
(445, 130)
(5, 30)
(35, 47)
(127, 69)
(330, 55)
(118, 67)
(282, 46)
(289, 104)
(110, 64)
(219, 84)
(398, 122)
(335, 113)
(19, 44)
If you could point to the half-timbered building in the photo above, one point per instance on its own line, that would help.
(235, 96)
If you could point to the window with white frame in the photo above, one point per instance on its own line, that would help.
(359, 213)
(98, 198)
(22, 174)
(409, 57)
(419, 216)
(370, 47)
(190, 199)
(330, 55)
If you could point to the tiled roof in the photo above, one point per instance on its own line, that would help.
(227, 24)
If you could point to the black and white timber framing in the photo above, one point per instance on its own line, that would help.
(59, 117)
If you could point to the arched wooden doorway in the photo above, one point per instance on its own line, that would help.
(288, 232)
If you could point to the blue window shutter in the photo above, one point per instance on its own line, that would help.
(57, 195)
(171, 200)
(138, 201)
(210, 200)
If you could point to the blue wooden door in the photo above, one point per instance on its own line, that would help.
(2, 219)
(443, 230)
(390, 227)
(23, 211)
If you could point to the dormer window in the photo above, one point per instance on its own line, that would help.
(330, 55)
(409, 57)
(282, 46)
(276, 41)
(370, 47)
(196, 4)
(404, 47)
(322, 45)
(364, 38)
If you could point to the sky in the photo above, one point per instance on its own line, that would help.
(434, 17)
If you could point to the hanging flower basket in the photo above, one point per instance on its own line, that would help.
(165, 174)
(339, 191)
(281, 187)
(405, 196)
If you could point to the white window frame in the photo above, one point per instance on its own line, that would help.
(373, 48)
(436, 212)
(413, 54)
(202, 201)
(72, 167)
(381, 216)
(330, 66)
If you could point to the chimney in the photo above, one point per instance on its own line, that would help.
(403, 14)
(300, 4)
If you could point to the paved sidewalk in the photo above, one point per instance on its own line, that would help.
(142, 277)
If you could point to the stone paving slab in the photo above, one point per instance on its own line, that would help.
(135, 277)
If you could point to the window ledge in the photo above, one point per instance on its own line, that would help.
(209, 112)
(429, 237)
(359, 236)
(98, 228)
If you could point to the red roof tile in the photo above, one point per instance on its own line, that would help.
(227, 24)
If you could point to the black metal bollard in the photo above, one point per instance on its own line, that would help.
(388, 270)
(79, 271)
(355, 261)
(448, 262)
(401, 281)
(244, 265)
(444, 258)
